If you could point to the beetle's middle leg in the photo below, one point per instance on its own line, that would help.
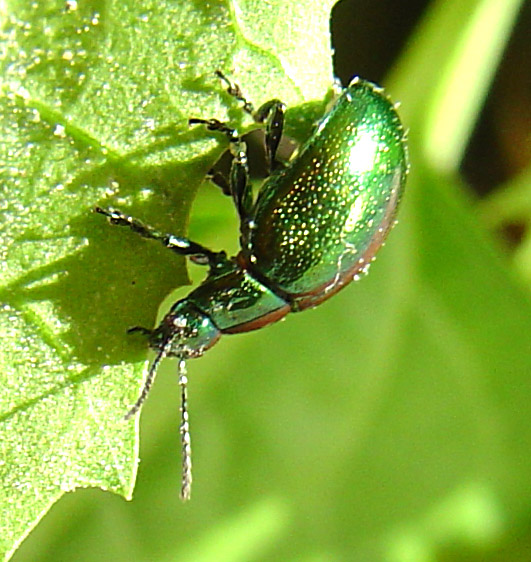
(238, 185)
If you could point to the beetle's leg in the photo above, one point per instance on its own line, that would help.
(182, 246)
(235, 91)
(140, 330)
(238, 185)
(217, 178)
(271, 114)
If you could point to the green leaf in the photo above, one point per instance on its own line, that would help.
(392, 423)
(94, 108)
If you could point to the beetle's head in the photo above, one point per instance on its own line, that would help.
(184, 332)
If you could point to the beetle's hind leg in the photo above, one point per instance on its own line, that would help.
(271, 113)
(219, 179)
(235, 91)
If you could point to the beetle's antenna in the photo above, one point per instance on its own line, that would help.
(186, 482)
(186, 448)
(149, 381)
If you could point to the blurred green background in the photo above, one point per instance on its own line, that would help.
(393, 422)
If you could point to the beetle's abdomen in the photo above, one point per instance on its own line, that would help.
(320, 221)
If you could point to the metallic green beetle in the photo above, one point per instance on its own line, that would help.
(316, 224)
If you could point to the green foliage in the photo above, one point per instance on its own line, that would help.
(392, 423)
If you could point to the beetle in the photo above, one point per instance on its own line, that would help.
(315, 225)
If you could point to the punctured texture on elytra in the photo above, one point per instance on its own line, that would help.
(319, 222)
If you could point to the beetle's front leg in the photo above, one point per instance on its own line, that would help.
(182, 246)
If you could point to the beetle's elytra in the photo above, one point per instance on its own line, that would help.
(316, 224)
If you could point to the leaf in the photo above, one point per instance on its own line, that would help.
(391, 423)
(94, 109)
